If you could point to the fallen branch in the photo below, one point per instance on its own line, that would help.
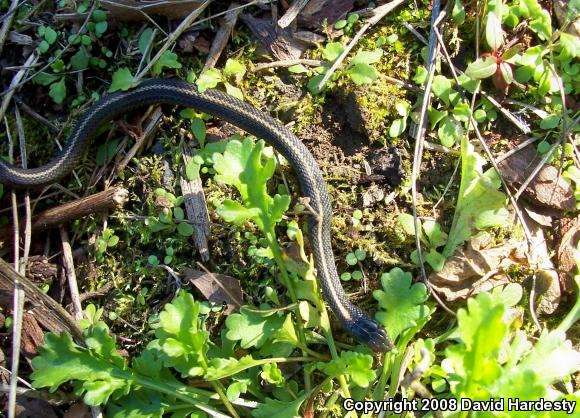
(291, 13)
(222, 36)
(112, 198)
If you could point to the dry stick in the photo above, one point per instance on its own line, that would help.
(77, 209)
(291, 13)
(137, 9)
(222, 36)
(147, 49)
(39, 118)
(195, 207)
(7, 23)
(30, 61)
(18, 295)
(419, 137)
(69, 268)
(288, 63)
(46, 310)
(185, 24)
(516, 149)
(378, 14)
(27, 210)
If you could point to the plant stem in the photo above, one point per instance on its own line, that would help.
(277, 252)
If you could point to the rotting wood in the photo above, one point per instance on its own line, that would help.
(112, 198)
(195, 207)
(47, 312)
(222, 36)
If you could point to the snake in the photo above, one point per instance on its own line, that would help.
(255, 122)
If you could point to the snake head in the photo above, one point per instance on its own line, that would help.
(369, 332)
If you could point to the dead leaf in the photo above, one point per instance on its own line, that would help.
(78, 410)
(318, 11)
(32, 336)
(32, 408)
(548, 189)
(217, 288)
(468, 271)
(130, 10)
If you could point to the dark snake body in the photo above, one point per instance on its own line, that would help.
(255, 122)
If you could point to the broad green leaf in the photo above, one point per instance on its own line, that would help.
(235, 212)
(192, 170)
(58, 91)
(80, 60)
(144, 40)
(434, 233)
(506, 72)
(550, 122)
(493, 32)
(122, 80)
(441, 88)
(363, 73)
(461, 111)
(184, 229)
(234, 67)
(421, 75)
(209, 79)
(435, 260)
(234, 91)
(358, 366)
(45, 79)
(181, 343)
(279, 409)
(397, 127)
(401, 302)
(435, 116)
(332, 50)
(298, 69)
(449, 132)
(480, 204)
(458, 12)
(167, 60)
(252, 329)
(50, 35)
(367, 57)
(482, 68)
(198, 129)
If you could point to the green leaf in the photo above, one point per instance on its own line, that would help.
(480, 204)
(449, 132)
(493, 32)
(122, 80)
(435, 116)
(332, 50)
(50, 35)
(397, 127)
(358, 366)
(434, 233)
(80, 60)
(550, 122)
(362, 73)
(60, 360)
(421, 75)
(435, 259)
(234, 212)
(458, 12)
(234, 67)
(209, 79)
(340, 24)
(220, 368)
(234, 91)
(251, 328)
(367, 57)
(442, 88)
(167, 60)
(184, 229)
(279, 409)
(198, 129)
(401, 302)
(58, 91)
(144, 40)
(482, 68)
(192, 170)
(43, 47)
(181, 342)
(298, 69)
(100, 28)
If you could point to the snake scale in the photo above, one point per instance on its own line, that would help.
(175, 92)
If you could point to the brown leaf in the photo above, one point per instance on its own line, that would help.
(217, 288)
(548, 189)
(466, 273)
(317, 11)
(27, 407)
(566, 237)
(78, 410)
(32, 336)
